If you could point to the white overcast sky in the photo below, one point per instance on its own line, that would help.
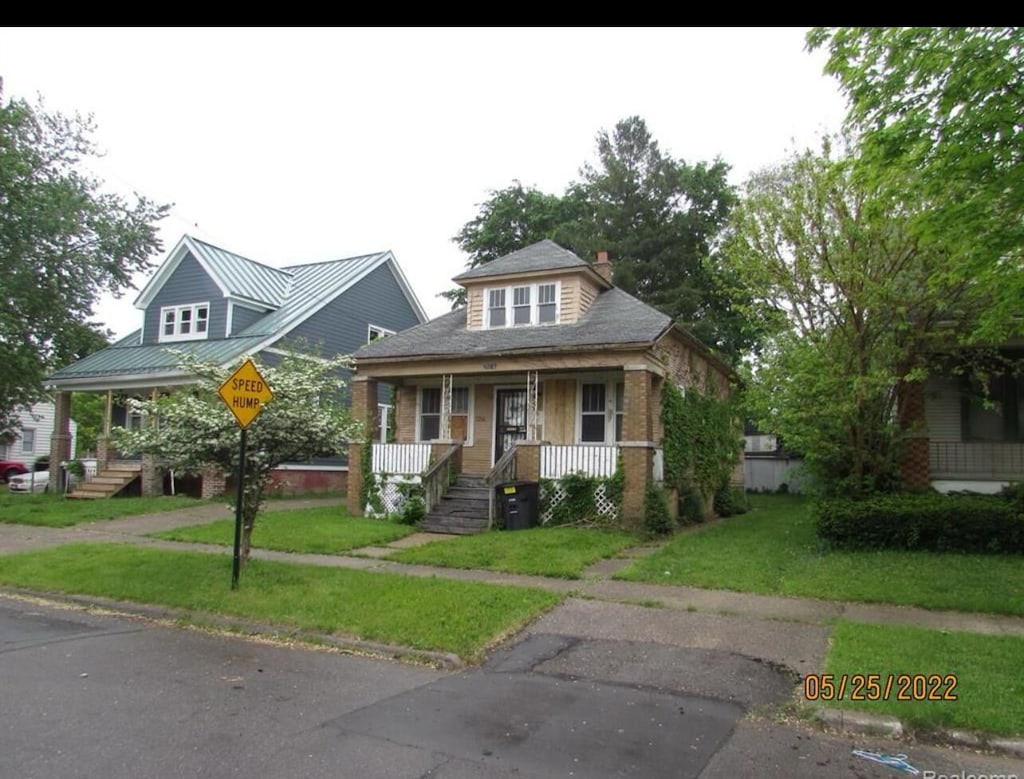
(295, 145)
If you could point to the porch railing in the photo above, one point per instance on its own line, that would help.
(977, 460)
(440, 476)
(503, 470)
(557, 461)
(407, 459)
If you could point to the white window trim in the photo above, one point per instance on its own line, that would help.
(32, 449)
(609, 411)
(534, 288)
(382, 332)
(177, 336)
(471, 392)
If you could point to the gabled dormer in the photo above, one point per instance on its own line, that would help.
(541, 285)
(203, 292)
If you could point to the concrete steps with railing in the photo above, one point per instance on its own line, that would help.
(462, 510)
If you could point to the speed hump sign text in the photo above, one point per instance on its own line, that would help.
(245, 393)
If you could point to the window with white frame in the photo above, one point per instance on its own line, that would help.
(430, 413)
(184, 323)
(28, 440)
(521, 305)
(373, 333)
(602, 410)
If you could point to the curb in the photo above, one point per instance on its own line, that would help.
(865, 724)
(239, 628)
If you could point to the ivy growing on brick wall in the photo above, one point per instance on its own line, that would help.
(702, 442)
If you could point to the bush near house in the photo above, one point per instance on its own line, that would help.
(933, 522)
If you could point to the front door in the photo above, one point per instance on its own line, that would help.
(509, 420)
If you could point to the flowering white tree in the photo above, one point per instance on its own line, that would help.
(192, 427)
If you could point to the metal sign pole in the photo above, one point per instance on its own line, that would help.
(239, 495)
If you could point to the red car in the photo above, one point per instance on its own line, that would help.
(9, 468)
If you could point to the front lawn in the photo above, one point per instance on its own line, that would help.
(982, 672)
(50, 510)
(321, 530)
(774, 549)
(426, 614)
(559, 551)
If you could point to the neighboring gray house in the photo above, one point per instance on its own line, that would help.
(220, 306)
(32, 440)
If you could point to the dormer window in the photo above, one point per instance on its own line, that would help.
(374, 333)
(184, 323)
(522, 305)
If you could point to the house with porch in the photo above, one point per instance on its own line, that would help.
(219, 307)
(962, 435)
(548, 370)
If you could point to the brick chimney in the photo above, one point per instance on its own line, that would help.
(603, 266)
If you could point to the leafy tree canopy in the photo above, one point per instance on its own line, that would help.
(939, 111)
(63, 242)
(852, 303)
(192, 427)
(659, 218)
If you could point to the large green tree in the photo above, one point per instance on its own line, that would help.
(940, 114)
(853, 304)
(658, 217)
(63, 243)
(192, 428)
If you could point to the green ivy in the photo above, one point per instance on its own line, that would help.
(368, 494)
(701, 441)
(579, 503)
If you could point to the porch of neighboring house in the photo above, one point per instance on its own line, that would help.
(461, 436)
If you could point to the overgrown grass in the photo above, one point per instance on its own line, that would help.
(321, 530)
(559, 552)
(44, 509)
(774, 549)
(427, 614)
(989, 687)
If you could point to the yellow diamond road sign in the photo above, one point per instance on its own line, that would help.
(245, 393)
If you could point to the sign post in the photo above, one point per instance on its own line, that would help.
(245, 393)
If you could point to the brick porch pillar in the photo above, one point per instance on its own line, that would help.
(364, 410)
(214, 482)
(60, 440)
(637, 446)
(915, 472)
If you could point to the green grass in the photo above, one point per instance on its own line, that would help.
(426, 614)
(989, 686)
(48, 510)
(321, 530)
(773, 549)
(559, 552)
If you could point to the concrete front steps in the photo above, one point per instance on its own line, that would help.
(462, 511)
(106, 483)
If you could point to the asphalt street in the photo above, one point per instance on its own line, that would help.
(91, 694)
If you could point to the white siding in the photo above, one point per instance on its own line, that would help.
(39, 419)
(942, 408)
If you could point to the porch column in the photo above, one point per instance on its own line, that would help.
(363, 409)
(915, 472)
(60, 439)
(103, 439)
(637, 451)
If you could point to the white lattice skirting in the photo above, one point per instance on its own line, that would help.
(390, 494)
(554, 494)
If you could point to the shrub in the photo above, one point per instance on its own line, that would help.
(690, 505)
(657, 520)
(729, 501)
(944, 523)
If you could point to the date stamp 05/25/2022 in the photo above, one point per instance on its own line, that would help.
(880, 687)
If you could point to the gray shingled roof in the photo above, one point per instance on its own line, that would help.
(540, 256)
(614, 318)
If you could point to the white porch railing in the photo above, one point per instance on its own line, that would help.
(405, 459)
(557, 461)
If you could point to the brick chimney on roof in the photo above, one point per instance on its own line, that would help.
(603, 266)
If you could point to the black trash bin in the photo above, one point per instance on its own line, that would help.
(520, 504)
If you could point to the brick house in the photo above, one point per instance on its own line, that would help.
(548, 370)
